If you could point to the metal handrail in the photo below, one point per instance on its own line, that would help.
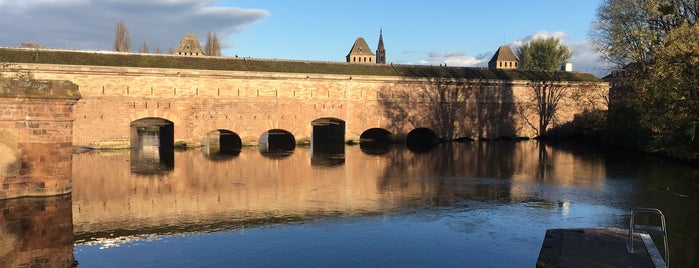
(656, 230)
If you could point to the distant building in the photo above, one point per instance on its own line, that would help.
(360, 52)
(567, 67)
(503, 59)
(380, 50)
(190, 46)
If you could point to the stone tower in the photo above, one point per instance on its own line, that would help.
(380, 50)
(190, 46)
(503, 59)
(360, 52)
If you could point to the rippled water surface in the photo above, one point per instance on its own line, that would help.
(480, 204)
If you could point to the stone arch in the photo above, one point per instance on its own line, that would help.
(221, 144)
(328, 141)
(421, 139)
(376, 141)
(328, 131)
(152, 143)
(378, 135)
(152, 131)
(276, 141)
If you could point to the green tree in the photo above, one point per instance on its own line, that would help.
(122, 40)
(629, 31)
(657, 41)
(542, 55)
(669, 92)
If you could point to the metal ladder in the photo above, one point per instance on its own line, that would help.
(649, 230)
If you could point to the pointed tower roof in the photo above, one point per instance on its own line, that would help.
(503, 59)
(190, 45)
(380, 50)
(380, 39)
(504, 53)
(360, 47)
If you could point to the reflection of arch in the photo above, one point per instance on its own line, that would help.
(328, 141)
(376, 141)
(421, 139)
(221, 144)
(152, 141)
(277, 140)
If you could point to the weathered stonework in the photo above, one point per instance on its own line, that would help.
(250, 103)
(36, 137)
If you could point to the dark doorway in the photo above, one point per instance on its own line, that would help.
(421, 140)
(276, 143)
(152, 146)
(221, 144)
(328, 142)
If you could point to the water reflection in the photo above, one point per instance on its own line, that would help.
(36, 232)
(199, 195)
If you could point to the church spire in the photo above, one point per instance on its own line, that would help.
(380, 50)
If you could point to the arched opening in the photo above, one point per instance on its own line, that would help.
(276, 143)
(421, 140)
(152, 144)
(328, 141)
(221, 144)
(376, 141)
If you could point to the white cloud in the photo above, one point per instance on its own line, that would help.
(584, 58)
(451, 58)
(89, 24)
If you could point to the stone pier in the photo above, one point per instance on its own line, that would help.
(36, 128)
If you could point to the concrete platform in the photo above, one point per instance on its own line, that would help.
(596, 247)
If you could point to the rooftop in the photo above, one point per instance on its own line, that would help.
(116, 59)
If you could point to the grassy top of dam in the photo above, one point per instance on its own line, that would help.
(116, 59)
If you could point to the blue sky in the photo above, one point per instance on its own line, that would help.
(326, 30)
(458, 33)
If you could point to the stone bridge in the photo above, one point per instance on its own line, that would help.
(249, 105)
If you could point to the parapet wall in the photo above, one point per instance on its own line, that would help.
(36, 137)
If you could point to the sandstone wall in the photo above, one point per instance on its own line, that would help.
(35, 137)
(250, 103)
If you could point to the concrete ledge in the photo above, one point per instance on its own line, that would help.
(593, 247)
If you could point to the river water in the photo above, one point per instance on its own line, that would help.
(478, 204)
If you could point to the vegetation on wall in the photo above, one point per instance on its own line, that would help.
(47, 56)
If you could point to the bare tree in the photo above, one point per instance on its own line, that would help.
(157, 50)
(171, 51)
(122, 40)
(29, 44)
(212, 47)
(144, 48)
(548, 91)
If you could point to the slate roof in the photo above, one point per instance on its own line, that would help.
(360, 47)
(190, 44)
(504, 53)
